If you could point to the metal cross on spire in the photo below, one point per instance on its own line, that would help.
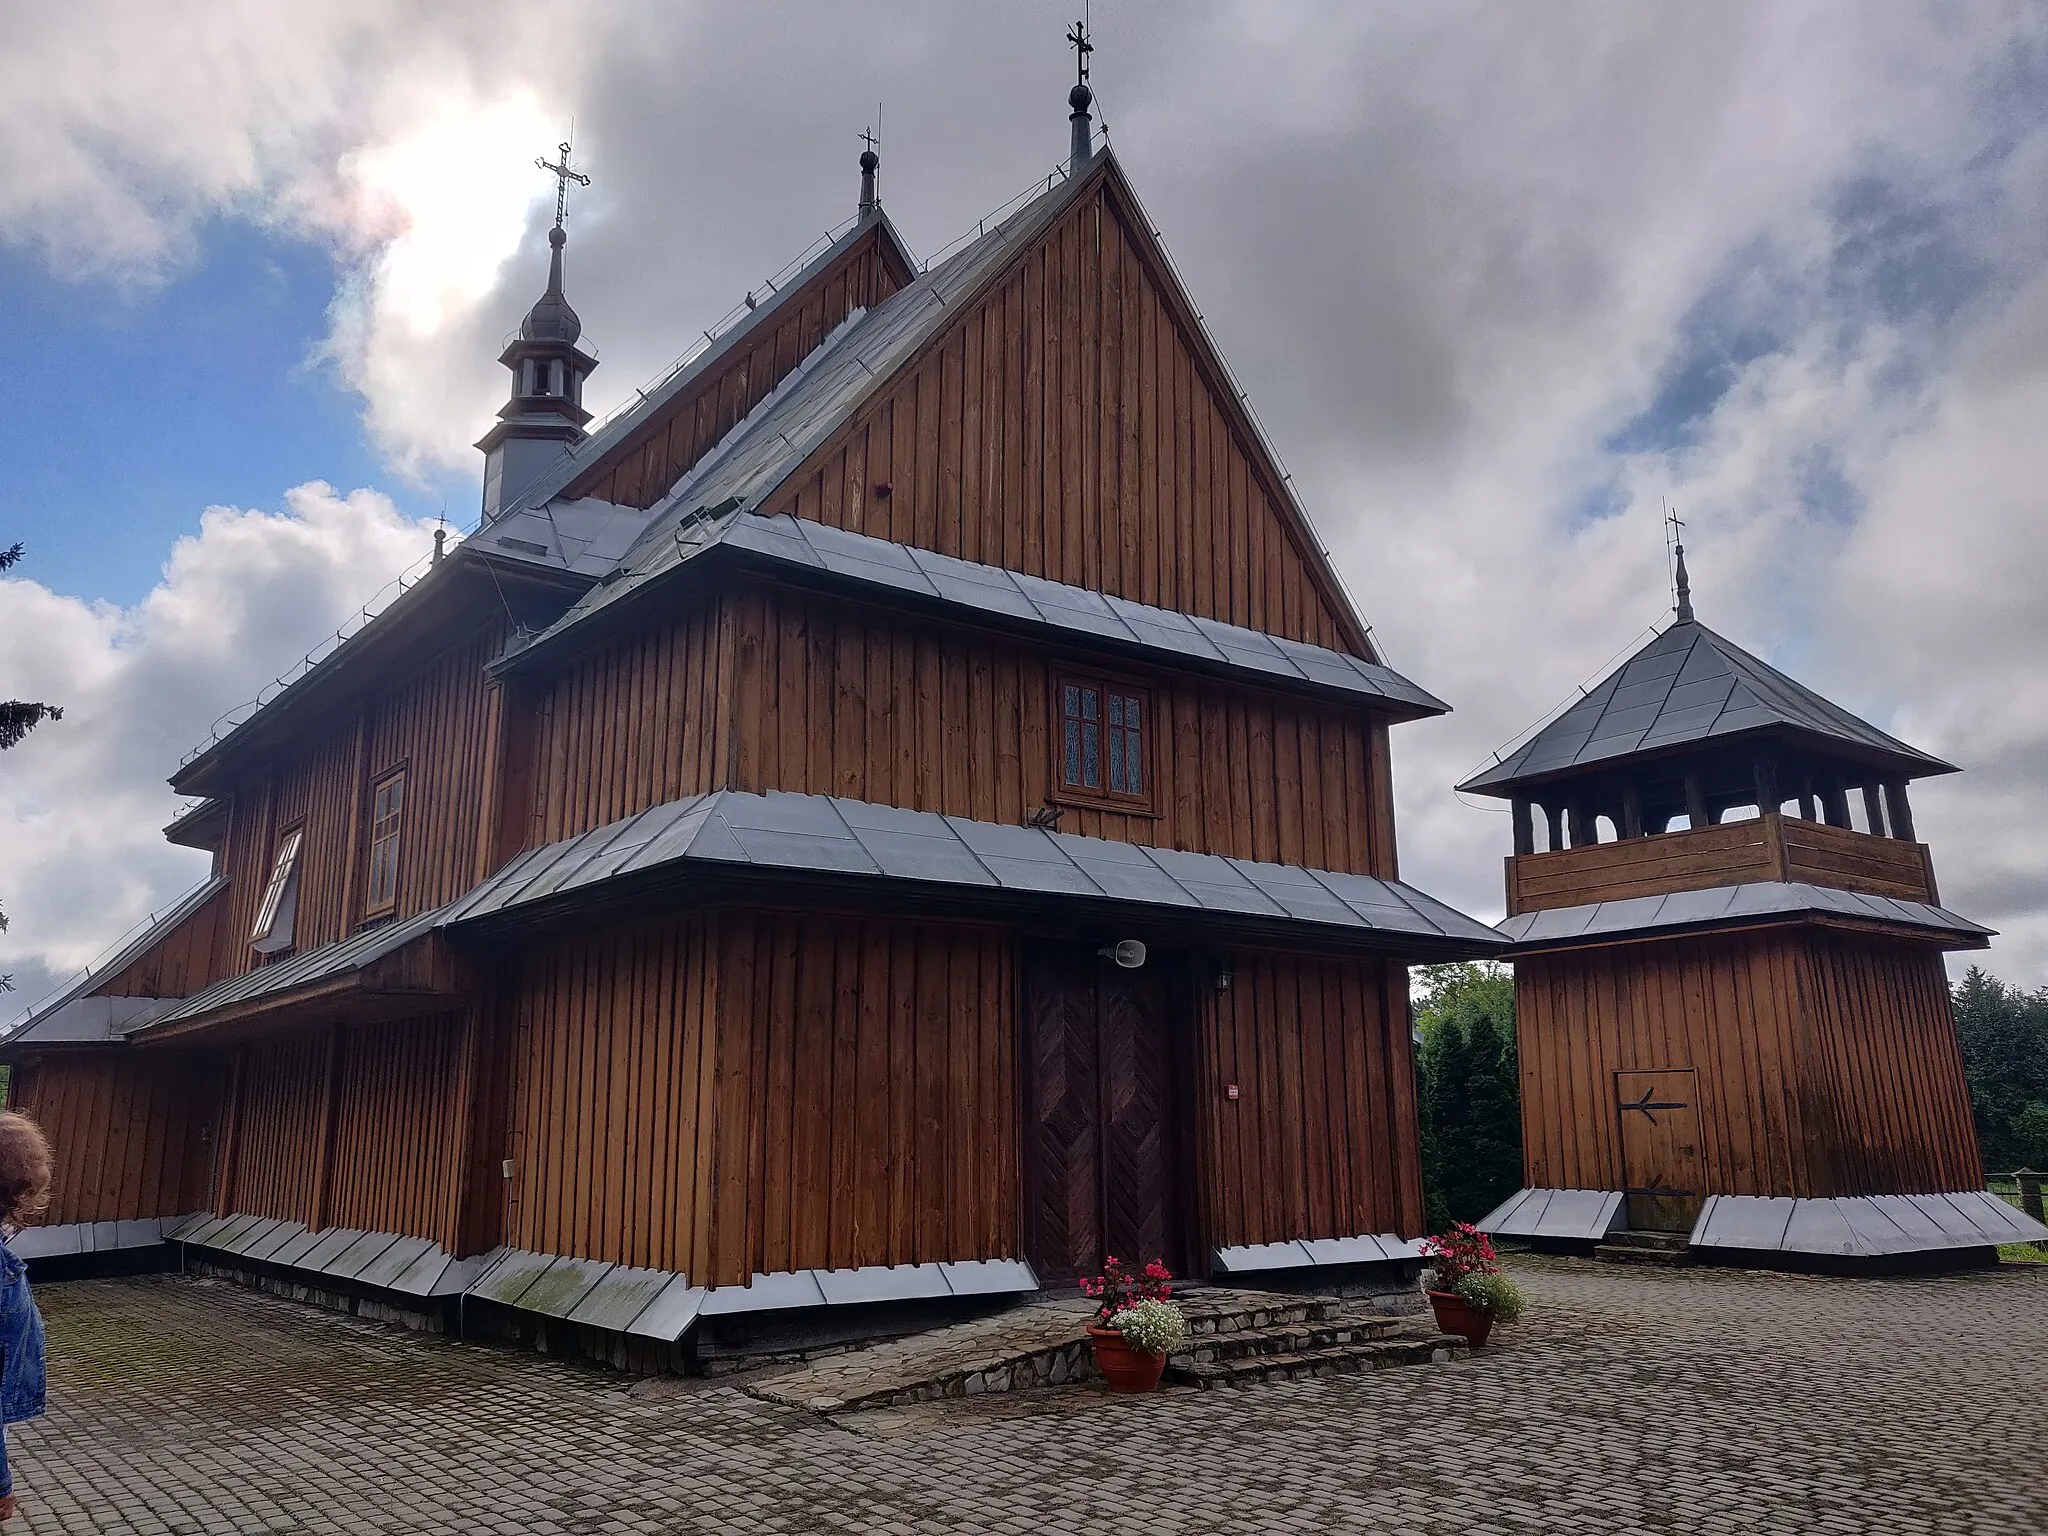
(1077, 34)
(563, 176)
(1681, 583)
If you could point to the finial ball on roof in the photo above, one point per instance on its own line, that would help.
(869, 160)
(557, 237)
(1079, 98)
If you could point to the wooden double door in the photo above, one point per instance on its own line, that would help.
(1102, 1117)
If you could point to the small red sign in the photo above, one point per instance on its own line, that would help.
(1230, 1092)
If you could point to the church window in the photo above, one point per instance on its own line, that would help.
(1102, 740)
(276, 914)
(387, 820)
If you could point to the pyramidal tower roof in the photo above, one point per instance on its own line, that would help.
(1689, 687)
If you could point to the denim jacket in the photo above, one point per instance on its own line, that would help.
(21, 1343)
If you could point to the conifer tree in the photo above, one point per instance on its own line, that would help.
(1470, 1091)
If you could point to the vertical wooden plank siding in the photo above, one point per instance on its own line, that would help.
(1319, 1141)
(633, 725)
(1827, 1066)
(396, 1138)
(758, 1093)
(1887, 1056)
(129, 1133)
(178, 964)
(283, 1086)
(433, 723)
(647, 463)
(354, 1127)
(820, 697)
(1080, 355)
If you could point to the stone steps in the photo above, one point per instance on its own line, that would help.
(1285, 1338)
(1283, 1354)
(1236, 1337)
(1218, 1311)
(1664, 1248)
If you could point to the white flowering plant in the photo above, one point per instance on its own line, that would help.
(1153, 1327)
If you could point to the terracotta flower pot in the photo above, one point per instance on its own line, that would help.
(1124, 1368)
(1455, 1315)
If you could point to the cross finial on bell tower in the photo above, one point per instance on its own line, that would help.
(870, 162)
(1681, 583)
(1080, 97)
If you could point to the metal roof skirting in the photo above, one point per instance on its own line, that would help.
(306, 969)
(656, 1304)
(1728, 905)
(965, 589)
(782, 833)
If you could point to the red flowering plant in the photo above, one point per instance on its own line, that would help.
(1467, 1267)
(1462, 1251)
(1118, 1289)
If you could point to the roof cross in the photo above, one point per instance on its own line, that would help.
(563, 176)
(1077, 34)
(1681, 584)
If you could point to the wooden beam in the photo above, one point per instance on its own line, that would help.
(323, 1146)
(1834, 803)
(1898, 810)
(1695, 802)
(224, 1175)
(352, 849)
(1554, 815)
(1631, 810)
(1873, 809)
(1523, 813)
(1765, 771)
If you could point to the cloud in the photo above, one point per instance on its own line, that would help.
(83, 800)
(1500, 280)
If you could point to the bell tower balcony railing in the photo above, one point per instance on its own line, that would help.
(1772, 846)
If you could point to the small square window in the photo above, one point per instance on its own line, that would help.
(387, 821)
(1101, 743)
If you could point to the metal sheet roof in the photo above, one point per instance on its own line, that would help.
(1726, 904)
(1011, 599)
(1688, 686)
(311, 965)
(816, 834)
(61, 1018)
(823, 392)
(574, 461)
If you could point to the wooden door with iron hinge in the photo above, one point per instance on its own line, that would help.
(1663, 1174)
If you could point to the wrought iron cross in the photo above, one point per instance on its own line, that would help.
(563, 176)
(867, 137)
(1077, 34)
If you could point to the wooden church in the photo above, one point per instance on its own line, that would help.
(1737, 1031)
(903, 810)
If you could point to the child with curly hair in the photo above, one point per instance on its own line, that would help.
(25, 1173)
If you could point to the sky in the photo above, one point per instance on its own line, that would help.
(1502, 281)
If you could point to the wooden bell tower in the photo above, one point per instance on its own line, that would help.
(1731, 1007)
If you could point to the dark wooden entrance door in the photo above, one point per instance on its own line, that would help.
(1661, 1168)
(1101, 1155)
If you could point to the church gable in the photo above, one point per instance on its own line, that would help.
(1073, 423)
(655, 451)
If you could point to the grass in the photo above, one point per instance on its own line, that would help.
(2008, 1190)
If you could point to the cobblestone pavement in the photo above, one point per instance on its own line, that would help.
(1684, 1400)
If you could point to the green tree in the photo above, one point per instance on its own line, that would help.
(2004, 1035)
(1470, 1090)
